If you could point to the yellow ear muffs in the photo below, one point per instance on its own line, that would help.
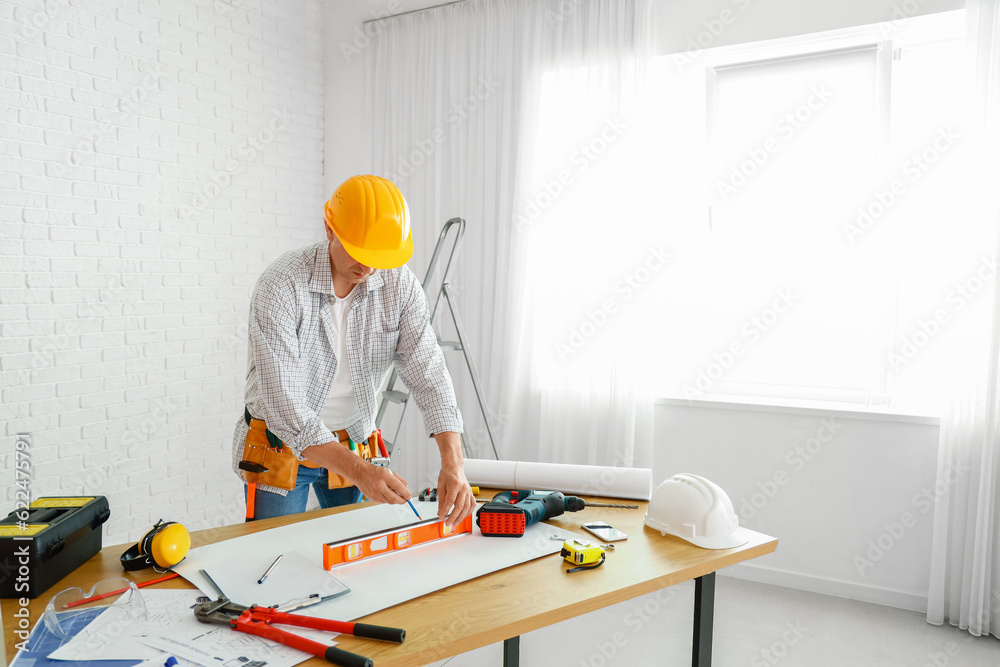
(161, 548)
(169, 544)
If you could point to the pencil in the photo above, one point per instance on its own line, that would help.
(119, 592)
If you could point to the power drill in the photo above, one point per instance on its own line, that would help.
(509, 513)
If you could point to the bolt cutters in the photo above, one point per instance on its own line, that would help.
(257, 621)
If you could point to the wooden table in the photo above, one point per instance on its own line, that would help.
(499, 606)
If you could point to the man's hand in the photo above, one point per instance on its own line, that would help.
(379, 484)
(455, 499)
(383, 486)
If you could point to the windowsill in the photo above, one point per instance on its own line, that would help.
(803, 407)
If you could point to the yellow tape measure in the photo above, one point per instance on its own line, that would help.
(585, 555)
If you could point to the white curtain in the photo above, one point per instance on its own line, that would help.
(453, 112)
(585, 225)
(965, 566)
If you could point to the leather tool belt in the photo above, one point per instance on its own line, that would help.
(266, 460)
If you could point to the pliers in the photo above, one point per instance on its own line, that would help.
(256, 620)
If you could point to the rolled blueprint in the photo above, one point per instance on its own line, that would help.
(610, 481)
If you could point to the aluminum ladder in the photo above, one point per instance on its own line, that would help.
(392, 395)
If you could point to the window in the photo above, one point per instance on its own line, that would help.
(791, 140)
(804, 202)
(839, 181)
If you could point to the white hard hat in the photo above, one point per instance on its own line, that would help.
(697, 510)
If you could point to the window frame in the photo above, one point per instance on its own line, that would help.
(888, 40)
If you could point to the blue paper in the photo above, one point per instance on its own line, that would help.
(42, 642)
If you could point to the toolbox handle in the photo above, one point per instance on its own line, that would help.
(53, 550)
(100, 519)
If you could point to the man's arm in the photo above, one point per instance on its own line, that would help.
(421, 366)
(280, 369)
(420, 363)
(455, 499)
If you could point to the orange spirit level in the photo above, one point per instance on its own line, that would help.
(387, 541)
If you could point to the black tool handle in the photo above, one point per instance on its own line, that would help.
(339, 656)
(554, 504)
(575, 503)
(397, 635)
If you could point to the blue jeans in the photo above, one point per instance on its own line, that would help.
(269, 505)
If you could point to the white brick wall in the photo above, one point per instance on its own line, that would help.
(154, 158)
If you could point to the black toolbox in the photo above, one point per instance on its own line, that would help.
(42, 544)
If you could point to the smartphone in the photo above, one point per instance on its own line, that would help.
(604, 531)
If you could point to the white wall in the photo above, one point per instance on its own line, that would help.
(155, 157)
(825, 483)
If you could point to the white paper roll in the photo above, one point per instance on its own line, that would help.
(610, 481)
(493, 474)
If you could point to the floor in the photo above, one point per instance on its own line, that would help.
(757, 625)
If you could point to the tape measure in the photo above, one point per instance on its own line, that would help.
(585, 555)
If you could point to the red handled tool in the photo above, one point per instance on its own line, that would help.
(257, 621)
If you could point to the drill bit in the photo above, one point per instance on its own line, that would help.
(589, 504)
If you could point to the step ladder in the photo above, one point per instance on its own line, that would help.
(392, 395)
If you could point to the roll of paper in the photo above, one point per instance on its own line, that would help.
(492, 474)
(610, 481)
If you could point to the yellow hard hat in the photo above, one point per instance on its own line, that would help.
(370, 217)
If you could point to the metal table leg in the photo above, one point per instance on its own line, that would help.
(704, 613)
(511, 652)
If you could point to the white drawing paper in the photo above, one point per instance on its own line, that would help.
(161, 658)
(171, 627)
(106, 638)
(215, 645)
(295, 577)
(380, 582)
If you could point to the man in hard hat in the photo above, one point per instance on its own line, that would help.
(326, 323)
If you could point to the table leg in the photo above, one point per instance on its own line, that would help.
(511, 652)
(704, 612)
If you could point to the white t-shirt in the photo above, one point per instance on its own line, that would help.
(341, 407)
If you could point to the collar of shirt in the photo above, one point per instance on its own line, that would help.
(322, 276)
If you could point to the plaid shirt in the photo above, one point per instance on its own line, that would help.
(292, 362)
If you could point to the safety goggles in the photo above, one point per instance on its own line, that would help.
(70, 610)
